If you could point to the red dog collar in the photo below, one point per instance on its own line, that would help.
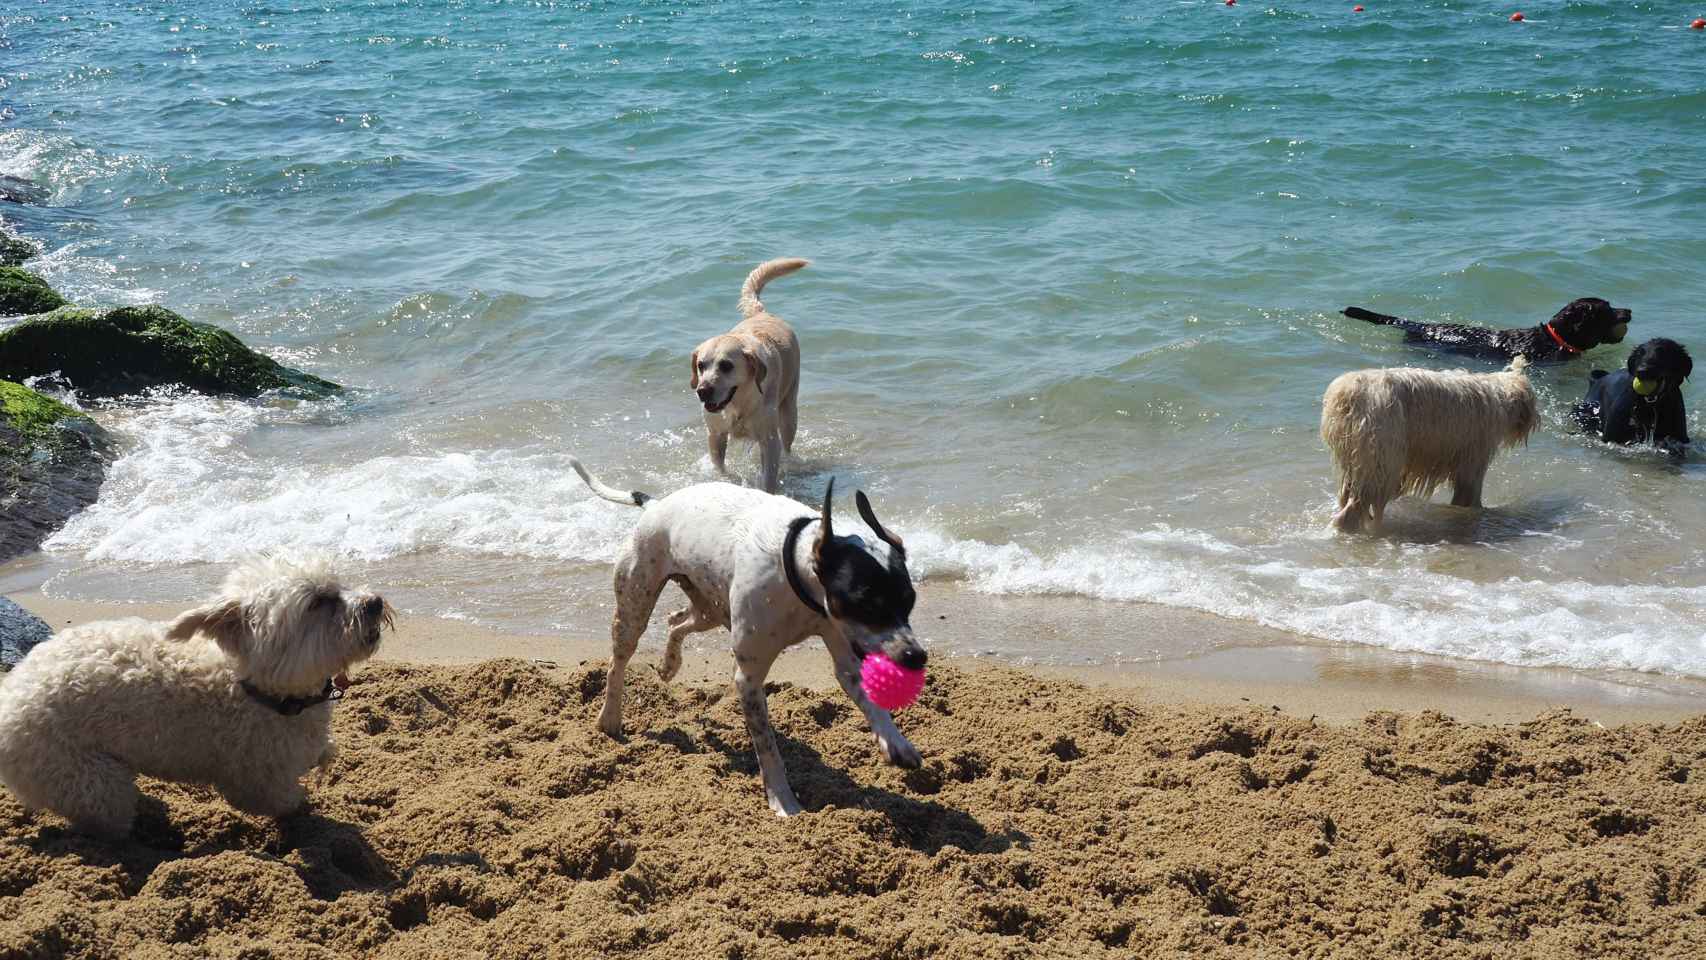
(1561, 341)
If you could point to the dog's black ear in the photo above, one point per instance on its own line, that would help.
(1573, 317)
(222, 620)
(827, 530)
(1685, 363)
(870, 519)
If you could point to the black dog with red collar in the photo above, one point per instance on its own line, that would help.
(1582, 325)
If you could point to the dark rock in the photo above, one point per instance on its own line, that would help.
(15, 250)
(19, 190)
(23, 292)
(122, 351)
(52, 460)
(19, 631)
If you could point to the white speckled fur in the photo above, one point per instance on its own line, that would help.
(722, 544)
(90, 709)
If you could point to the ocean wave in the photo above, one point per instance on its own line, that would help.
(1520, 621)
(190, 488)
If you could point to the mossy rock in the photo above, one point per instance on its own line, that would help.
(52, 461)
(15, 250)
(23, 292)
(33, 416)
(127, 350)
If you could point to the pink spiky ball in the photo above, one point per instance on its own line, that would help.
(888, 684)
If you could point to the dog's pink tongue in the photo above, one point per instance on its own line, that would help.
(341, 681)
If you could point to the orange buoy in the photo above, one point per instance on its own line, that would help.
(1232, 3)
(1357, 8)
(1516, 17)
(1698, 24)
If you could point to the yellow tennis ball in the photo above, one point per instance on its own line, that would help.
(1646, 388)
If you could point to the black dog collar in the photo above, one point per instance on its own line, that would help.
(291, 706)
(789, 542)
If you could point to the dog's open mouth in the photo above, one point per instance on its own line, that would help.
(714, 407)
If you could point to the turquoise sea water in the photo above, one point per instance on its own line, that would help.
(1073, 302)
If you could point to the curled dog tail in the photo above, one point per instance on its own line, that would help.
(632, 498)
(750, 305)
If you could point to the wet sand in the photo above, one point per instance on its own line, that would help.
(1233, 664)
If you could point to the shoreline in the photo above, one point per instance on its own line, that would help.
(1244, 666)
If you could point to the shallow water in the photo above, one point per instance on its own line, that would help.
(1072, 307)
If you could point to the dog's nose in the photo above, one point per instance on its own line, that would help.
(704, 393)
(373, 607)
(914, 658)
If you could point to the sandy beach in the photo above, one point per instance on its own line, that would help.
(1285, 799)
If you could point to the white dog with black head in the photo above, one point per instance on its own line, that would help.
(234, 693)
(738, 555)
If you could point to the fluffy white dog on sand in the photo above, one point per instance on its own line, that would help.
(1406, 431)
(234, 694)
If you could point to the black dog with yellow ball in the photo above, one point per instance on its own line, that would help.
(1641, 403)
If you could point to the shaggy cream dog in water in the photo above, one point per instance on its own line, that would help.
(234, 694)
(1406, 431)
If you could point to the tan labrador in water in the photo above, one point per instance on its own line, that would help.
(749, 379)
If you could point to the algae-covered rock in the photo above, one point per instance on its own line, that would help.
(111, 353)
(15, 250)
(52, 460)
(23, 292)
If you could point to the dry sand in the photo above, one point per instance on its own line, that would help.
(474, 812)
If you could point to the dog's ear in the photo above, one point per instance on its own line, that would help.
(1685, 363)
(759, 370)
(693, 377)
(1572, 317)
(870, 518)
(222, 620)
(826, 530)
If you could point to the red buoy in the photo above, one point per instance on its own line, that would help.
(1232, 3)
(1357, 8)
(1516, 17)
(1698, 24)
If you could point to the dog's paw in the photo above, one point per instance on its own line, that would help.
(670, 666)
(610, 726)
(784, 804)
(901, 752)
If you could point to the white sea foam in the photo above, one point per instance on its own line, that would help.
(188, 490)
(1527, 622)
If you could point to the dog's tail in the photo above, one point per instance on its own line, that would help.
(750, 305)
(1358, 313)
(632, 498)
(1518, 364)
